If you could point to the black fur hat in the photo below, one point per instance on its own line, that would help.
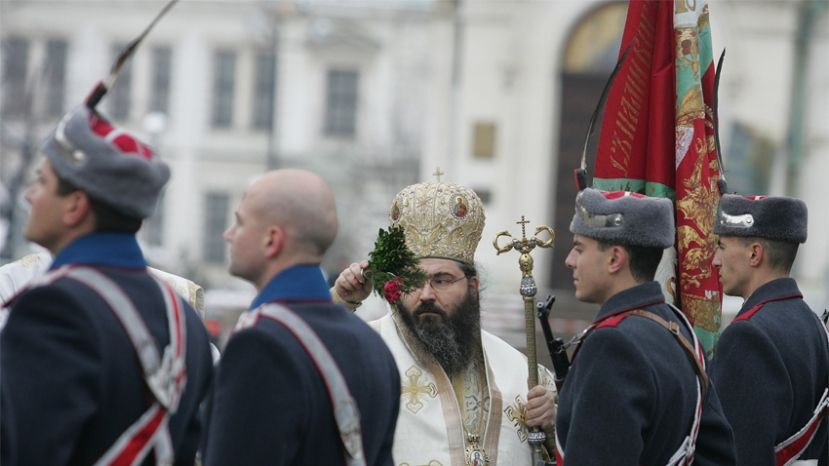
(624, 218)
(774, 218)
(108, 163)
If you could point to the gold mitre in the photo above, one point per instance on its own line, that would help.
(439, 220)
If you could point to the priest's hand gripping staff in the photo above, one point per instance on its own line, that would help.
(536, 436)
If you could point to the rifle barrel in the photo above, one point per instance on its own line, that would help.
(555, 346)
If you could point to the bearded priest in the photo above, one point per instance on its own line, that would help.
(464, 397)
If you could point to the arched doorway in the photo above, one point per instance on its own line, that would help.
(587, 60)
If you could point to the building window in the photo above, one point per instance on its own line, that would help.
(55, 76)
(119, 96)
(483, 140)
(341, 102)
(15, 63)
(264, 90)
(217, 204)
(161, 71)
(224, 73)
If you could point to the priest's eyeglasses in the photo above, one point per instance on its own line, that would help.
(443, 281)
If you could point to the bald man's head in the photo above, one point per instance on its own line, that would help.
(300, 202)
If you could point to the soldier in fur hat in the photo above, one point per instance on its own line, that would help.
(101, 362)
(637, 392)
(771, 364)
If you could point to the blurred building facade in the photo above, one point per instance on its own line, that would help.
(224, 91)
(377, 95)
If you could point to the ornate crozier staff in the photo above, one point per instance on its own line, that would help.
(536, 436)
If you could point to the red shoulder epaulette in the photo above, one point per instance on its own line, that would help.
(750, 313)
(613, 321)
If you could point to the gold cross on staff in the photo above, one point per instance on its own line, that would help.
(523, 224)
(437, 174)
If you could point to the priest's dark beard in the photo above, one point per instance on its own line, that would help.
(452, 340)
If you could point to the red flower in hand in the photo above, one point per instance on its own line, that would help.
(391, 290)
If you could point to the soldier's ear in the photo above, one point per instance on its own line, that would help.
(77, 208)
(617, 259)
(758, 252)
(273, 241)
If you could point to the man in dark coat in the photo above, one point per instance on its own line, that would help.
(101, 363)
(771, 364)
(272, 404)
(637, 391)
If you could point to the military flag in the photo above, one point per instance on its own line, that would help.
(657, 137)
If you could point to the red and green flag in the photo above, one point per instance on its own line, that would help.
(657, 138)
